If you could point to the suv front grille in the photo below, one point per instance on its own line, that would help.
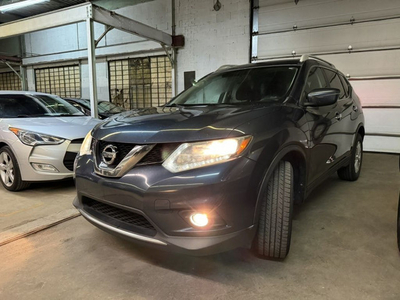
(157, 155)
(123, 150)
(118, 217)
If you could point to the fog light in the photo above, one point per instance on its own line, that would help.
(199, 219)
(44, 168)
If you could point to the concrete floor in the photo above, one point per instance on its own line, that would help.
(343, 247)
(39, 201)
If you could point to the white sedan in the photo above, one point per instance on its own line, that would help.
(40, 135)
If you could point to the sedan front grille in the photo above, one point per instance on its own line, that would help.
(69, 159)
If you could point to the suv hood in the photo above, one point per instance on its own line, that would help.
(65, 127)
(177, 124)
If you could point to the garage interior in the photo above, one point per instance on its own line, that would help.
(344, 235)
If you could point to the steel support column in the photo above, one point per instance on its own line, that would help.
(92, 67)
(24, 83)
(173, 73)
(254, 30)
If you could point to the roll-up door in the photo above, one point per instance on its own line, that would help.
(360, 37)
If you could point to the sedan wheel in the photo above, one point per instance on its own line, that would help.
(6, 169)
(9, 171)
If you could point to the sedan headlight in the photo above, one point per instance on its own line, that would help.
(86, 145)
(201, 154)
(31, 138)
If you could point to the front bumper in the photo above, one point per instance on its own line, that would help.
(54, 155)
(161, 197)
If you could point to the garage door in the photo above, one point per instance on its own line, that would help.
(360, 37)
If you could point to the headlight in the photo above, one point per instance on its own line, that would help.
(87, 143)
(34, 138)
(196, 155)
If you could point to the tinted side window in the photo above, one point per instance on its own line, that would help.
(315, 80)
(335, 82)
(346, 85)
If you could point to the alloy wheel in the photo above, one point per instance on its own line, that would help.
(358, 157)
(6, 169)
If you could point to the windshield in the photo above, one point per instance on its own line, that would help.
(105, 107)
(108, 107)
(26, 106)
(260, 85)
(102, 106)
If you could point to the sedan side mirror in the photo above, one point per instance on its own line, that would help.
(322, 97)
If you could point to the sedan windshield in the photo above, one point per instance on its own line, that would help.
(260, 85)
(104, 106)
(27, 106)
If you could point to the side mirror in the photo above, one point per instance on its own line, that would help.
(322, 97)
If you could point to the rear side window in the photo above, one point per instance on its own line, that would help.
(315, 80)
(334, 82)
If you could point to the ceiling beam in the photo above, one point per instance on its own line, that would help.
(80, 13)
(10, 58)
(123, 23)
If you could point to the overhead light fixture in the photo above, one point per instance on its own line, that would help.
(217, 6)
(20, 4)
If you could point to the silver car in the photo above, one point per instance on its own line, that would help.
(40, 135)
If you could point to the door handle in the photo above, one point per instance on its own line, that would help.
(338, 116)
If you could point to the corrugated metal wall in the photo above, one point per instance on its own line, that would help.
(360, 37)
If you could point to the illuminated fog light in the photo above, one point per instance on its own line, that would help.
(44, 168)
(199, 219)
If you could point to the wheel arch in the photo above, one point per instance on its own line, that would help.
(2, 144)
(297, 158)
(361, 130)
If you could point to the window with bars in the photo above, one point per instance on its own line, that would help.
(140, 82)
(63, 81)
(9, 81)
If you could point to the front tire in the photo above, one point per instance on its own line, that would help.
(353, 170)
(10, 175)
(275, 222)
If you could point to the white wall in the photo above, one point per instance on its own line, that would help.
(10, 47)
(212, 38)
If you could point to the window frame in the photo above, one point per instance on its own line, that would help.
(140, 88)
(341, 83)
(74, 83)
(10, 81)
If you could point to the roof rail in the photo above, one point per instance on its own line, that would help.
(305, 57)
(225, 67)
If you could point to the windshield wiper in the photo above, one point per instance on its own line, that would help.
(67, 115)
(32, 116)
(172, 105)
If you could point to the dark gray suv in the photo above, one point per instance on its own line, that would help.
(221, 164)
